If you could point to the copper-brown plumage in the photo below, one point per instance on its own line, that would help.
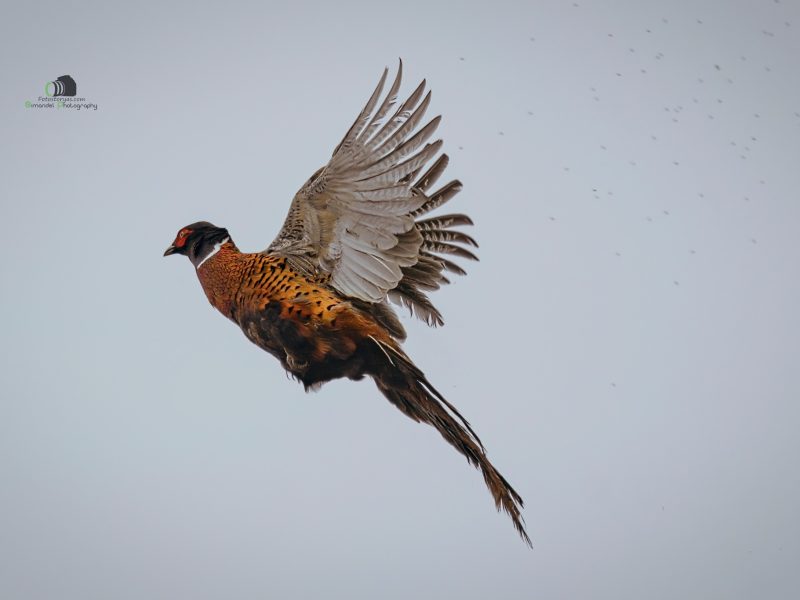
(318, 298)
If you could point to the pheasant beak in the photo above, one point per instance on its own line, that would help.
(171, 250)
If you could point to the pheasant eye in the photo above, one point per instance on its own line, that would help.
(181, 239)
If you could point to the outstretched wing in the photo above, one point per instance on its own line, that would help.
(354, 221)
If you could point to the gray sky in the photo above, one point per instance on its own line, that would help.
(626, 348)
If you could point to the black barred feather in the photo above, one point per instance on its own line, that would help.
(437, 239)
(448, 235)
(443, 222)
(406, 386)
(417, 303)
(432, 175)
(441, 248)
(438, 198)
(448, 265)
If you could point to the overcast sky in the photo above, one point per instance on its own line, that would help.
(627, 348)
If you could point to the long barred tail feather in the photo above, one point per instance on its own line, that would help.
(405, 386)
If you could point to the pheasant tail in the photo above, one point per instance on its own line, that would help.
(408, 389)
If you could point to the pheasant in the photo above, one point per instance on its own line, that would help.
(355, 240)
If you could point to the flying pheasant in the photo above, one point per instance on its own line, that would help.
(318, 297)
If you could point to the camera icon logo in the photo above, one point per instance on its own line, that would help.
(63, 86)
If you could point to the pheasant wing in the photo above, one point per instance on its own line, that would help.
(353, 220)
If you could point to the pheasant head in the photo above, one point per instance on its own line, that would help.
(199, 241)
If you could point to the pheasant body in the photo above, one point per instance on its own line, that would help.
(317, 297)
(316, 334)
